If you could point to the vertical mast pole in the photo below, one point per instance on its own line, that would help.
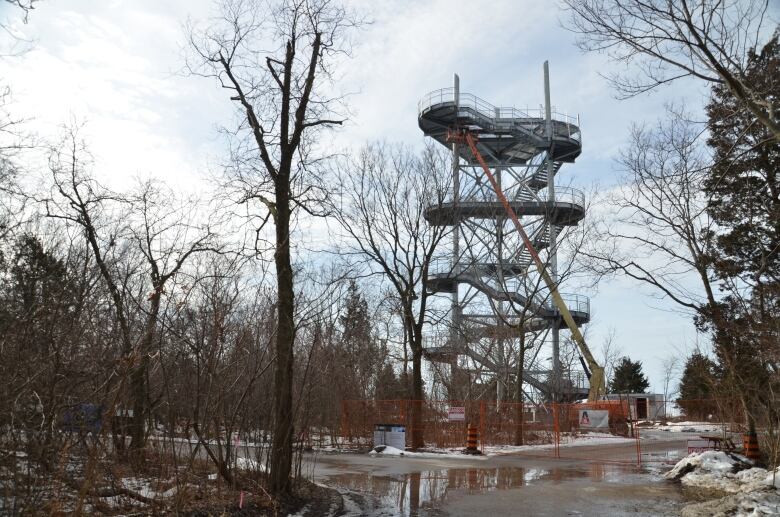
(553, 256)
(455, 320)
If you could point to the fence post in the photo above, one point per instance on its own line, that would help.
(346, 430)
(482, 425)
(556, 432)
(638, 447)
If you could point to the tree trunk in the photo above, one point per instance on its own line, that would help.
(139, 385)
(418, 440)
(520, 431)
(281, 448)
(139, 396)
(414, 332)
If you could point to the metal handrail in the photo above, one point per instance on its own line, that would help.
(488, 110)
(562, 195)
(441, 266)
(575, 302)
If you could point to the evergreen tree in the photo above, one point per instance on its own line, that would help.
(743, 187)
(697, 386)
(361, 353)
(389, 386)
(355, 321)
(628, 377)
(38, 292)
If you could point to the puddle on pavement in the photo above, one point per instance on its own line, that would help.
(421, 493)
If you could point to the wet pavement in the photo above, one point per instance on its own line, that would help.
(590, 481)
(596, 490)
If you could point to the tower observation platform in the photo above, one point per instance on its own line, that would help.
(508, 135)
(496, 298)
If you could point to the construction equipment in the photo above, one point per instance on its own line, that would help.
(593, 370)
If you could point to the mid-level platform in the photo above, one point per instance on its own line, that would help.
(578, 305)
(560, 213)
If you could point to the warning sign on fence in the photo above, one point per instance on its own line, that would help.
(594, 419)
(457, 414)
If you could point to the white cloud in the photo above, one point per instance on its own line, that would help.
(115, 65)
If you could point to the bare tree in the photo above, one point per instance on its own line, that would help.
(166, 236)
(12, 141)
(670, 365)
(222, 332)
(276, 61)
(14, 136)
(386, 192)
(655, 229)
(610, 355)
(708, 40)
(162, 235)
(24, 5)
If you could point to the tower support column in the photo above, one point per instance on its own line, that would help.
(553, 249)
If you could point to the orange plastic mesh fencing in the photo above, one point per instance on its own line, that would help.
(509, 423)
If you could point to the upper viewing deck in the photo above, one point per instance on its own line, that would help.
(506, 135)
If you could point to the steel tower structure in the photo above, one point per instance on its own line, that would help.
(495, 291)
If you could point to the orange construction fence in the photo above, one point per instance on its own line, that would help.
(499, 423)
(443, 423)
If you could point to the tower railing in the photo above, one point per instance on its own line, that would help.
(442, 266)
(495, 113)
(562, 195)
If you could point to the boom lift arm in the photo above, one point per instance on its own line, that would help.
(596, 375)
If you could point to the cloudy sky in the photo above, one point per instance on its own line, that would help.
(117, 65)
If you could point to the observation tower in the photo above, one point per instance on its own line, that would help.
(499, 303)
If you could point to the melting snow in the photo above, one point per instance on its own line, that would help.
(754, 489)
(687, 427)
(249, 464)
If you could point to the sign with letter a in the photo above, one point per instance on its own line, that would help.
(594, 419)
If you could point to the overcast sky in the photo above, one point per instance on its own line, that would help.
(117, 65)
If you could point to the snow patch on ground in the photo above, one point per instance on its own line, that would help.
(687, 427)
(773, 478)
(753, 489)
(566, 441)
(710, 465)
(249, 464)
(496, 450)
(760, 502)
(386, 450)
(144, 488)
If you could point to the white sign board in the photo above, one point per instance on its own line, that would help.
(700, 446)
(594, 419)
(389, 434)
(396, 437)
(457, 414)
